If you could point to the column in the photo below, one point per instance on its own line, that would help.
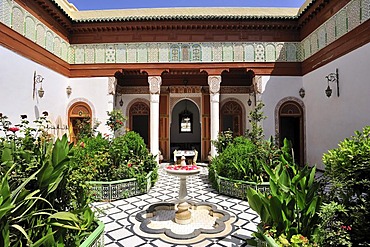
(214, 90)
(154, 90)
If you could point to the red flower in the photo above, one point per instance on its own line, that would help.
(129, 164)
(348, 228)
(13, 129)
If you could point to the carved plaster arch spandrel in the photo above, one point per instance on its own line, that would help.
(277, 122)
(134, 101)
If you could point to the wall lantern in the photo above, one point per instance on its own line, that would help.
(249, 102)
(332, 77)
(121, 101)
(69, 91)
(302, 92)
(37, 79)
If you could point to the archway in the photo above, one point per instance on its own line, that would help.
(185, 129)
(79, 118)
(291, 127)
(139, 115)
(232, 117)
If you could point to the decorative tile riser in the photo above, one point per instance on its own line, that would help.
(115, 190)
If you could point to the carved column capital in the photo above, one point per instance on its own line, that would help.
(112, 83)
(155, 83)
(214, 84)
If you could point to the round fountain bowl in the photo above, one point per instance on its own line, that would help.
(182, 171)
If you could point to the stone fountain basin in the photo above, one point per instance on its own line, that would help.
(207, 219)
(182, 173)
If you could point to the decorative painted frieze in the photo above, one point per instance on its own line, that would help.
(345, 20)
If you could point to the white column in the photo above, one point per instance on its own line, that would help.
(154, 89)
(214, 89)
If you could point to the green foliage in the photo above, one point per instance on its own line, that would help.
(255, 133)
(224, 138)
(347, 170)
(33, 191)
(332, 230)
(116, 120)
(101, 159)
(293, 203)
(243, 160)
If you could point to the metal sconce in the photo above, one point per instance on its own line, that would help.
(37, 79)
(302, 92)
(69, 91)
(121, 101)
(332, 77)
(249, 102)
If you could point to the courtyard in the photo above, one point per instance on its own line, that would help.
(119, 216)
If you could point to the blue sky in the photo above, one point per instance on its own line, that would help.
(129, 4)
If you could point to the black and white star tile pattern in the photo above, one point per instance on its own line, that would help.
(118, 216)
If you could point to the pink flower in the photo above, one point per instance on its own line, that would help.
(348, 228)
(13, 129)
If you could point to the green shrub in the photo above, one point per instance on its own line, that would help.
(101, 159)
(35, 206)
(292, 206)
(241, 160)
(332, 230)
(347, 170)
(224, 138)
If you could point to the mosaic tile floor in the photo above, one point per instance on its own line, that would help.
(119, 216)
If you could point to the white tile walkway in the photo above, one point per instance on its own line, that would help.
(119, 215)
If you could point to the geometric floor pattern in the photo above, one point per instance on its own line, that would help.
(118, 216)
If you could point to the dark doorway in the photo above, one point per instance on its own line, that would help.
(291, 128)
(139, 120)
(140, 125)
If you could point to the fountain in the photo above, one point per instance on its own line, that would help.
(183, 215)
(183, 221)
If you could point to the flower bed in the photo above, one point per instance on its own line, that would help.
(237, 188)
(120, 189)
(96, 238)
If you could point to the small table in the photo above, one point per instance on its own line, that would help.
(186, 153)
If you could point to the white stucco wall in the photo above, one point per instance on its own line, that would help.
(330, 120)
(16, 80)
(93, 91)
(274, 89)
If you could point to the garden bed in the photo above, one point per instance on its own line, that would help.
(120, 189)
(96, 238)
(237, 188)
